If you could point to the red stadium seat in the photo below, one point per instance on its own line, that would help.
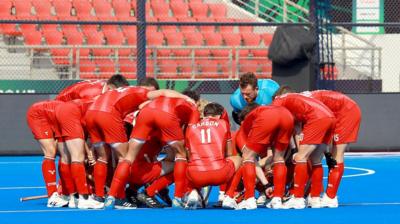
(128, 68)
(261, 52)
(5, 13)
(267, 38)
(87, 69)
(245, 29)
(248, 66)
(187, 29)
(185, 68)
(160, 9)
(63, 9)
(168, 29)
(199, 10)
(97, 38)
(225, 29)
(23, 9)
(177, 39)
(106, 68)
(60, 56)
(168, 69)
(43, 9)
(53, 37)
(122, 9)
(206, 29)
(32, 38)
(84, 10)
(129, 30)
(179, 9)
(266, 68)
(196, 39)
(103, 10)
(215, 40)
(218, 10)
(207, 69)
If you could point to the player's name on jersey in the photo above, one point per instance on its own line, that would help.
(206, 123)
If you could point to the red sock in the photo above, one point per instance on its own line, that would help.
(300, 179)
(280, 171)
(249, 179)
(223, 187)
(232, 186)
(49, 175)
(79, 173)
(335, 176)
(317, 175)
(68, 186)
(160, 184)
(180, 178)
(100, 177)
(120, 179)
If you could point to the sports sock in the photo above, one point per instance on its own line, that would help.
(68, 186)
(79, 174)
(279, 171)
(180, 177)
(120, 179)
(300, 179)
(49, 175)
(249, 179)
(317, 175)
(334, 178)
(223, 187)
(100, 177)
(233, 184)
(160, 184)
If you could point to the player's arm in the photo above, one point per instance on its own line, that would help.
(169, 93)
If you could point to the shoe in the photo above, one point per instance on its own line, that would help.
(164, 195)
(218, 204)
(205, 194)
(89, 203)
(275, 203)
(313, 202)
(293, 202)
(221, 198)
(327, 202)
(229, 203)
(73, 201)
(262, 199)
(178, 203)
(131, 197)
(57, 201)
(193, 200)
(123, 204)
(248, 204)
(150, 202)
(109, 203)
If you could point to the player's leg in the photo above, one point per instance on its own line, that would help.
(317, 173)
(249, 179)
(180, 167)
(279, 172)
(66, 178)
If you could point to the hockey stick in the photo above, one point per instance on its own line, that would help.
(29, 198)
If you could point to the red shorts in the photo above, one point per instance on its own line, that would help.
(69, 118)
(40, 125)
(144, 172)
(347, 126)
(150, 119)
(213, 177)
(318, 132)
(105, 127)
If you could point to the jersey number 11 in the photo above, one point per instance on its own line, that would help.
(203, 133)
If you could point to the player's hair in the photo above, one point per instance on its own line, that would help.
(202, 103)
(192, 94)
(246, 110)
(248, 78)
(149, 82)
(213, 109)
(118, 80)
(283, 90)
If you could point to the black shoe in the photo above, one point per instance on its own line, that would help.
(124, 204)
(150, 202)
(98, 198)
(218, 205)
(164, 195)
(131, 196)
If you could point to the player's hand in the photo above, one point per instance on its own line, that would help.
(269, 190)
(91, 161)
(191, 101)
(330, 161)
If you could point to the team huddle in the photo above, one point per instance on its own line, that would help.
(122, 146)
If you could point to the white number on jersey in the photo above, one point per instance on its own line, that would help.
(203, 133)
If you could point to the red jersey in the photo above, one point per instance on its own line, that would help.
(267, 125)
(123, 100)
(186, 112)
(206, 141)
(335, 101)
(83, 104)
(47, 109)
(82, 90)
(303, 108)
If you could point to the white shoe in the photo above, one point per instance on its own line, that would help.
(275, 203)
(293, 202)
(262, 199)
(313, 202)
(193, 200)
(229, 203)
(73, 202)
(57, 201)
(221, 196)
(89, 203)
(327, 202)
(248, 204)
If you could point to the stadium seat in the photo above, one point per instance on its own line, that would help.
(87, 69)
(97, 38)
(185, 68)
(160, 9)
(218, 11)
(179, 9)
(196, 39)
(267, 38)
(168, 29)
(88, 29)
(225, 29)
(42, 9)
(103, 10)
(234, 40)
(149, 68)
(168, 69)
(207, 69)
(246, 65)
(206, 29)
(215, 40)
(84, 10)
(157, 39)
(127, 67)
(122, 10)
(129, 30)
(32, 38)
(177, 39)
(53, 37)
(117, 38)
(106, 68)
(245, 29)
(5, 13)
(60, 56)
(23, 9)
(187, 29)
(199, 10)
(265, 67)
(63, 10)
(250, 40)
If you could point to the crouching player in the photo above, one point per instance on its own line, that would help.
(210, 153)
(264, 126)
